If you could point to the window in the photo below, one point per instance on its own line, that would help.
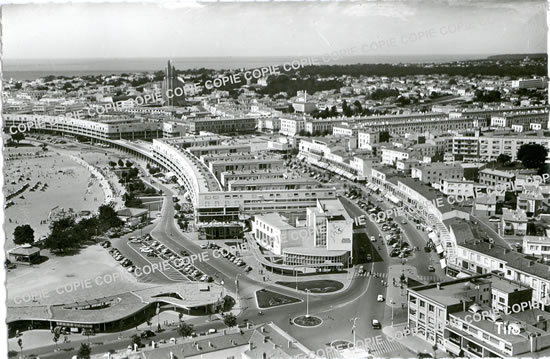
(422, 304)
(430, 308)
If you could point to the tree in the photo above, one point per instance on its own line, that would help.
(23, 234)
(452, 82)
(63, 235)
(55, 339)
(67, 86)
(112, 164)
(128, 164)
(230, 320)
(228, 303)
(84, 351)
(18, 136)
(136, 339)
(532, 155)
(108, 218)
(503, 159)
(120, 163)
(358, 107)
(185, 330)
(20, 343)
(290, 108)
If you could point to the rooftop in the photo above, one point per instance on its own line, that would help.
(514, 259)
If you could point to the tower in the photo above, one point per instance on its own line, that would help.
(172, 87)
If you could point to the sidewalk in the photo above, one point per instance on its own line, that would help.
(395, 293)
(412, 342)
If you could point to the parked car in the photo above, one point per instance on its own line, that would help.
(431, 268)
(376, 324)
(380, 298)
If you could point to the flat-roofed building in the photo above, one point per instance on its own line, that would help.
(223, 125)
(536, 246)
(272, 184)
(292, 126)
(493, 178)
(229, 176)
(528, 83)
(324, 241)
(434, 173)
(368, 139)
(430, 305)
(476, 256)
(513, 222)
(238, 164)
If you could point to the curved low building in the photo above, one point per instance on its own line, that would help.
(118, 312)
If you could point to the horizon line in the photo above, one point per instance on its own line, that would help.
(269, 56)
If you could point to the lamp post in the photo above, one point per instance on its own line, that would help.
(237, 286)
(353, 330)
(307, 303)
(392, 303)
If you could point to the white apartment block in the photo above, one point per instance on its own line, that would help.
(368, 139)
(537, 246)
(292, 126)
(483, 257)
(391, 155)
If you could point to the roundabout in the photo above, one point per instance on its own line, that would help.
(307, 321)
(341, 344)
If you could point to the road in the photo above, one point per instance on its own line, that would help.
(336, 310)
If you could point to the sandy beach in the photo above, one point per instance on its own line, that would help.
(71, 187)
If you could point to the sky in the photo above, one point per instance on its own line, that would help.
(207, 29)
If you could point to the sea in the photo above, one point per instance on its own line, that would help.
(31, 69)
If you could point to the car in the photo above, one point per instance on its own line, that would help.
(361, 269)
(212, 331)
(369, 257)
(431, 268)
(172, 340)
(394, 253)
(376, 324)
(494, 219)
(380, 298)
(373, 239)
(203, 246)
(204, 278)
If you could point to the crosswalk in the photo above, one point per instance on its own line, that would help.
(425, 278)
(373, 350)
(385, 347)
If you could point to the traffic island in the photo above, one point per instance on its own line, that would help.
(268, 299)
(307, 322)
(315, 286)
(341, 344)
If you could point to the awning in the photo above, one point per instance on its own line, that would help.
(462, 275)
(443, 263)
(439, 249)
(432, 236)
(453, 348)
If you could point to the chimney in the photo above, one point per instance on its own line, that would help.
(197, 346)
(290, 342)
(490, 245)
(224, 331)
(171, 355)
(265, 339)
(439, 286)
(210, 344)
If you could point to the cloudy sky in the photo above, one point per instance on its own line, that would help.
(413, 27)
